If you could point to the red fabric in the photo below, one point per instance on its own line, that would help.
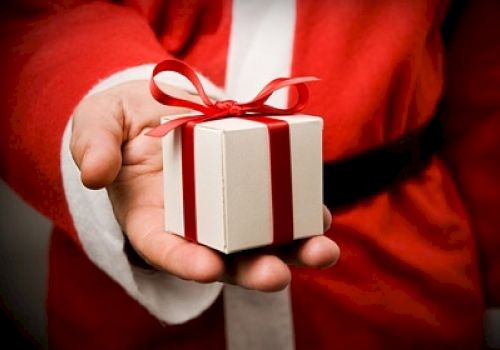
(197, 31)
(472, 112)
(46, 72)
(87, 310)
(380, 66)
(409, 274)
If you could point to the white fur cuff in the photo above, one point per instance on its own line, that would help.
(170, 299)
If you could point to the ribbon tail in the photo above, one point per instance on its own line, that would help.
(170, 125)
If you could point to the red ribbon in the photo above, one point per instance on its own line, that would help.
(256, 110)
(227, 108)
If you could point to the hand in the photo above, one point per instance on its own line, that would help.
(109, 146)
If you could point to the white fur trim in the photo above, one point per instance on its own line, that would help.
(257, 320)
(170, 299)
(260, 49)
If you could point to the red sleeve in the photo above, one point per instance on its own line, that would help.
(51, 57)
(472, 123)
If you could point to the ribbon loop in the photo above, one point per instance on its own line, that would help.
(226, 108)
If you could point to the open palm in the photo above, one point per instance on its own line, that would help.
(111, 150)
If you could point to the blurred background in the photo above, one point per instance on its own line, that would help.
(24, 243)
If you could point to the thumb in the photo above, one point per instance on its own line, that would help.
(96, 139)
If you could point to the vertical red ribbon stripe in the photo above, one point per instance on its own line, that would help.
(280, 168)
(189, 182)
(281, 178)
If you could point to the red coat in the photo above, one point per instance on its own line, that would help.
(417, 260)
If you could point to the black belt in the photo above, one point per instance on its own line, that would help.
(350, 180)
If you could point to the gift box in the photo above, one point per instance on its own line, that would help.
(240, 190)
(240, 175)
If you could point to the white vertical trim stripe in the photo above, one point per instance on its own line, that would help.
(260, 49)
(257, 320)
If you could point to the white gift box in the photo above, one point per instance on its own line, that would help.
(233, 196)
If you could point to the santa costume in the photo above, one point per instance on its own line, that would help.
(419, 257)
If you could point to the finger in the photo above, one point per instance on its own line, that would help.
(317, 252)
(168, 252)
(327, 218)
(102, 122)
(261, 272)
(96, 139)
(141, 110)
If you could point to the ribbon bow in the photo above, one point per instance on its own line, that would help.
(226, 108)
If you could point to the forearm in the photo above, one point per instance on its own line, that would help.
(52, 60)
(55, 58)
